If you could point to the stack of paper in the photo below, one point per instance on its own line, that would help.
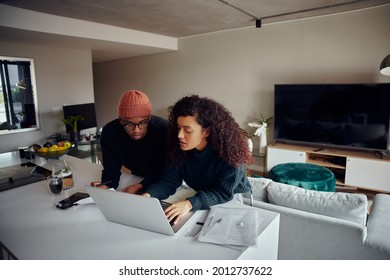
(231, 226)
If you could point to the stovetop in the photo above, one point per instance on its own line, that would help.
(18, 175)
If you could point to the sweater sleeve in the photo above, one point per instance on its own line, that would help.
(111, 164)
(167, 184)
(230, 181)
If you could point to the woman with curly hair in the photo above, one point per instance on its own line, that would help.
(208, 150)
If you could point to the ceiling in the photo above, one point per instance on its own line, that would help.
(176, 18)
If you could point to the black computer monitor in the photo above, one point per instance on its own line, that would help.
(86, 110)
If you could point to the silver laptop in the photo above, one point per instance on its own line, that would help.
(137, 211)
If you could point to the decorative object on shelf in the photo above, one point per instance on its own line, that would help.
(249, 139)
(384, 68)
(250, 145)
(260, 129)
(263, 142)
(72, 121)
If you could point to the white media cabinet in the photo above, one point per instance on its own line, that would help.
(359, 169)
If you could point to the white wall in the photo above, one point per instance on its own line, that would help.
(63, 76)
(240, 67)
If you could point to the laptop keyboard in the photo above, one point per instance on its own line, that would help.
(164, 204)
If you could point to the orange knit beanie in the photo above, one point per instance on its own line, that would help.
(134, 103)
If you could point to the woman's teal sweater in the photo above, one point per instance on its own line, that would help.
(214, 179)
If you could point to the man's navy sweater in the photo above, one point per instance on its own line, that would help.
(144, 157)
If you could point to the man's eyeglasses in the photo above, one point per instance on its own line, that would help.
(130, 125)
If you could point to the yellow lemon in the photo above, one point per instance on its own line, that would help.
(52, 149)
(67, 144)
(43, 150)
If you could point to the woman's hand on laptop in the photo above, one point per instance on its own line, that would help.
(136, 188)
(177, 210)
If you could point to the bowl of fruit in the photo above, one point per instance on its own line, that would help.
(51, 150)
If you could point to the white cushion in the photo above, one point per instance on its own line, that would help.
(259, 188)
(345, 206)
(379, 223)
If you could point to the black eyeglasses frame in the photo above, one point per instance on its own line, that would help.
(131, 126)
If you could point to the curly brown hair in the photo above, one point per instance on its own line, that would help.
(227, 138)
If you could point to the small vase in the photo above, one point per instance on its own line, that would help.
(263, 143)
(74, 136)
(250, 145)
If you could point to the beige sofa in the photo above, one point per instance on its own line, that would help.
(320, 225)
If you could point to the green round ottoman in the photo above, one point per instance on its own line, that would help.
(304, 175)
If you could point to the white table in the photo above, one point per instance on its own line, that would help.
(31, 227)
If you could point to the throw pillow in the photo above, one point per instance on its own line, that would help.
(259, 188)
(379, 224)
(345, 206)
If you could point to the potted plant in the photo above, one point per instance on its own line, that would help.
(72, 121)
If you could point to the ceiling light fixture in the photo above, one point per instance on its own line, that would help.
(384, 68)
(258, 20)
(331, 5)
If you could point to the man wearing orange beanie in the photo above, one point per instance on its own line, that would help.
(135, 140)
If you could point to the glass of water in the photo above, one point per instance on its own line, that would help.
(55, 184)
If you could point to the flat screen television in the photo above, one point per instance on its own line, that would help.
(352, 116)
(87, 110)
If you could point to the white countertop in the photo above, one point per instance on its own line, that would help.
(31, 227)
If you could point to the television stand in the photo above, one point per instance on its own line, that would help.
(378, 154)
(358, 169)
(386, 154)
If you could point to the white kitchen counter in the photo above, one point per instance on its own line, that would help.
(31, 227)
